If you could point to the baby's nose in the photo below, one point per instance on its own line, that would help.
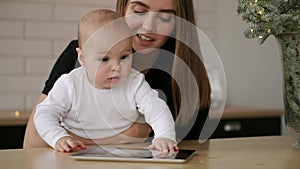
(116, 65)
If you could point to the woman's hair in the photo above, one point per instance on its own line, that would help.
(186, 33)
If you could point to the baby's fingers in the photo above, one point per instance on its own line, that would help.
(173, 147)
(67, 144)
(151, 147)
(164, 147)
(161, 146)
(63, 147)
(81, 145)
(155, 146)
(76, 143)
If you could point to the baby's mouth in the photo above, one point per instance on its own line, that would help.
(114, 78)
(145, 38)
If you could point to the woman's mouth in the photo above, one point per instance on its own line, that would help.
(145, 38)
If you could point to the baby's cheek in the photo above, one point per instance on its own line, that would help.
(99, 78)
(127, 69)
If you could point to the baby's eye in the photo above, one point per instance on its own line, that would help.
(124, 57)
(104, 59)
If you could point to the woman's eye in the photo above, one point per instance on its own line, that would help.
(165, 17)
(139, 12)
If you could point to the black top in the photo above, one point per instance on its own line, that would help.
(156, 78)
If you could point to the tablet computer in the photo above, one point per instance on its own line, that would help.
(105, 153)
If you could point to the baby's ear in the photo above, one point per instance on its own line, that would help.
(81, 58)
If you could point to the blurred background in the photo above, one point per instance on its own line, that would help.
(33, 33)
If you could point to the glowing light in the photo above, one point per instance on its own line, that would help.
(17, 113)
(260, 37)
(253, 3)
(260, 12)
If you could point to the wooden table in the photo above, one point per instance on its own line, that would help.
(274, 152)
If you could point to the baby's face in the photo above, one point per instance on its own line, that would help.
(107, 54)
(106, 69)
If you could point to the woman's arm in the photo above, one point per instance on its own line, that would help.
(32, 138)
(64, 64)
(137, 133)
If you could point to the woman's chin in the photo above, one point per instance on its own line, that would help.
(144, 50)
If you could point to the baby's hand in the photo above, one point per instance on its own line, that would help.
(68, 143)
(164, 145)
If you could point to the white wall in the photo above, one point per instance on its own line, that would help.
(34, 32)
(253, 71)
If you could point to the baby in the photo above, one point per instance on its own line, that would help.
(104, 96)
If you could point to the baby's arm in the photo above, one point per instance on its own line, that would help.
(68, 143)
(158, 115)
(48, 113)
(164, 145)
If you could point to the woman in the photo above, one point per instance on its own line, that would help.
(151, 33)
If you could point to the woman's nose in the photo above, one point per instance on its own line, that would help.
(149, 22)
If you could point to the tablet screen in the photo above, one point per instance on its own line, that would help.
(124, 154)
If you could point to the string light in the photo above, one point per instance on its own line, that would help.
(266, 22)
(254, 3)
(260, 12)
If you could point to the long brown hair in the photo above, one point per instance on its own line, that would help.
(184, 10)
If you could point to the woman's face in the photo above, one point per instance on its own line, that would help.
(151, 22)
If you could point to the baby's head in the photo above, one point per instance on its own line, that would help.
(104, 47)
(92, 22)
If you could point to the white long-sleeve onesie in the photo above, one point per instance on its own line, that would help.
(74, 104)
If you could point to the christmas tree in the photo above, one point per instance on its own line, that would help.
(270, 17)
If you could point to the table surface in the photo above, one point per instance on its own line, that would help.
(273, 152)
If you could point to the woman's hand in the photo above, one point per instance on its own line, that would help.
(67, 144)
